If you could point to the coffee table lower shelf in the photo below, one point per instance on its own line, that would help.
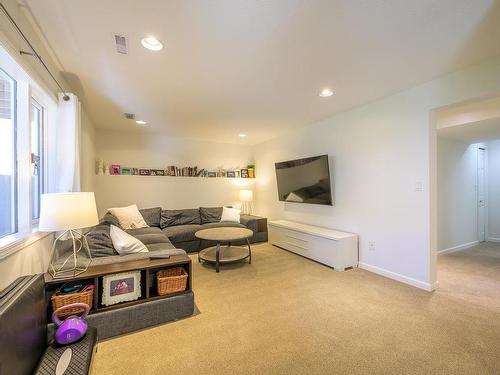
(225, 254)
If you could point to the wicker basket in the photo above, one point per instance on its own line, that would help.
(171, 280)
(66, 299)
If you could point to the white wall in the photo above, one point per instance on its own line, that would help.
(378, 153)
(457, 196)
(156, 152)
(494, 190)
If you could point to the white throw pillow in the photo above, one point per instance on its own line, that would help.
(230, 214)
(129, 217)
(124, 243)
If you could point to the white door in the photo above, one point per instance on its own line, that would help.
(481, 199)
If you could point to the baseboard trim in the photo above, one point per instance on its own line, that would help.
(493, 239)
(459, 247)
(398, 277)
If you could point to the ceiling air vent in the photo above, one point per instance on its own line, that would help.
(121, 44)
(129, 116)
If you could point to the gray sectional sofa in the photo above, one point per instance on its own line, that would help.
(170, 230)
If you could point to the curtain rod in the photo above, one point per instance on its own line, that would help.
(33, 53)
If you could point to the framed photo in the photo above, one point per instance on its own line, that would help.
(244, 173)
(230, 174)
(212, 174)
(135, 171)
(159, 172)
(236, 173)
(144, 172)
(121, 287)
(152, 172)
(126, 170)
(115, 169)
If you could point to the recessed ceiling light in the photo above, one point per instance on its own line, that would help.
(141, 122)
(151, 43)
(325, 93)
(242, 135)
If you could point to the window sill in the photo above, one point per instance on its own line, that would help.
(17, 241)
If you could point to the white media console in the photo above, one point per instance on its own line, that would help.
(330, 247)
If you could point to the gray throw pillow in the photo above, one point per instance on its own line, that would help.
(171, 218)
(99, 241)
(110, 219)
(210, 214)
(152, 216)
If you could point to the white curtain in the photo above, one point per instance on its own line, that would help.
(68, 144)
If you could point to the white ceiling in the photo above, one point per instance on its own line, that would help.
(473, 132)
(256, 66)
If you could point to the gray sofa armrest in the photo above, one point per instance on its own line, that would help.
(250, 222)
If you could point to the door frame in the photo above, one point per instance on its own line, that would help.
(481, 148)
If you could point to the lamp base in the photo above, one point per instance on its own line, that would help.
(246, 208)
(69, 264)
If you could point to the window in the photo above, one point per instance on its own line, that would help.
(27, 127)
(37, 158)
(8, 176)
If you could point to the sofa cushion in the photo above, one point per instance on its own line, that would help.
(99, 241)
(152, 216)
(171, 218)
(210, 214)
(150, 235)
(182, 233)
(222, 224)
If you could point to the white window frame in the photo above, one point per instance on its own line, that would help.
(27, 91)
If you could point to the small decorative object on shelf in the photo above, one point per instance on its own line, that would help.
(135, 171)
(121, 287)
(126, 170)
(144, 172)
(106, 169)
(251, 171)
(230, 174)
(100, 167)
(237, 173)
(115, 169)
(212, 174)
(244, 173)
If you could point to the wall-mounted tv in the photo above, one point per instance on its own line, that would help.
(304, 180)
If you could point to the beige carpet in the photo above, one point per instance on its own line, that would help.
(287, 315)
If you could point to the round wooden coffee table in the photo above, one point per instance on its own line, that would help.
(225, 254)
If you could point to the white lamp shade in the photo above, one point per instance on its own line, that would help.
(63, 211)
(246, 195)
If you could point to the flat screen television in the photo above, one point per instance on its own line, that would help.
(304, 180)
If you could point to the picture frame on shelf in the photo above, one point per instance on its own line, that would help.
(126, 171)
(144, 172)
(121, 287)
(159, 172)
(244, 173)
(237, 173)
(135, 171)
(230, 174)
(212, 174)
(115, 169)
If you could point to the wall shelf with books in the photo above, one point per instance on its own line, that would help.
(174, 171)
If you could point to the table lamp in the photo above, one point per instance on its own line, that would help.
(68, 212)
(246, 198)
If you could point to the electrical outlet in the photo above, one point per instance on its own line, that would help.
(371, 246)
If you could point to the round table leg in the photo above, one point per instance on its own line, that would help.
(249, 252)
(217, 255)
